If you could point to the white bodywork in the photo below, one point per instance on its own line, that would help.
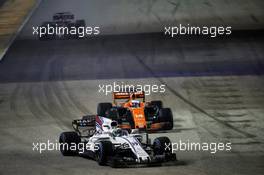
(104, 131)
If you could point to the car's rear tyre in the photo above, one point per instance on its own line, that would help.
(162, 145)
(66, 140)
(130, 119)
(102, 108)
(104, 152)
(165, 115)
(157, 103)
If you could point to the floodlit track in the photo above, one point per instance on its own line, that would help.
(214, 87)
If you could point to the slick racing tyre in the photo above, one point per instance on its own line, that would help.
(66, 140)
(160, 145)
(165, 115)
(104, 152)
(102, 108)
(163, 146)
(157, 103)
(130, 119)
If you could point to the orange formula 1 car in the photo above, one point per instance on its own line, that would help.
(131, 111)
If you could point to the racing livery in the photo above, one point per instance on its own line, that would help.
(110, 145)
(131, 111)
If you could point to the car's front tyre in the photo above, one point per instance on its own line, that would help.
(104, 152)
(66, 140)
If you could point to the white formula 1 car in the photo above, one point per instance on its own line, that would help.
(110, 145)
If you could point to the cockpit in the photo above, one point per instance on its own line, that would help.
(135, 104)
(118, 132)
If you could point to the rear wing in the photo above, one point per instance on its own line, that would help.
(128, 95)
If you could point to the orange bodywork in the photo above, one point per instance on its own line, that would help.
(138, 113)
(139, 117)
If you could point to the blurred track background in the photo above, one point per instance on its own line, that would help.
(213, 85)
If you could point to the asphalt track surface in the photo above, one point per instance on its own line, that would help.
(214, 87)
(137, 16)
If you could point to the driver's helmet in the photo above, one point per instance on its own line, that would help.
(114, 124)
(117, 132)
(135, 104)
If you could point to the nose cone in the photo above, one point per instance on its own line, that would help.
(139, 117)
